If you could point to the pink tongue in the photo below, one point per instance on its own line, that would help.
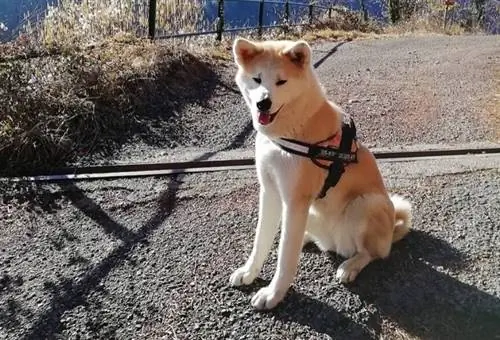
(264, 118)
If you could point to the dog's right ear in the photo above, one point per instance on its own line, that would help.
(244, 51)
(299, 53)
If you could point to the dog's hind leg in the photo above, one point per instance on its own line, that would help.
(373, 238)
(267, 228)
(349, 269)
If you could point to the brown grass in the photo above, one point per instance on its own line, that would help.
(58, 108)
(88, 22)
(419, 25)
(424, 17)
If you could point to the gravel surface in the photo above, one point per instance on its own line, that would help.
(151, 258)
(401, 91)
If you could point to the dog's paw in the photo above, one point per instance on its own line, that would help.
(267, 298)
(242, 276)
(346, 273)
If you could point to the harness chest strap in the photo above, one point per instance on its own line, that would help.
(339, 157)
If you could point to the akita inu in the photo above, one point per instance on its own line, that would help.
(315, 177)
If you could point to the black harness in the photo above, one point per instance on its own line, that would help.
(339, 157)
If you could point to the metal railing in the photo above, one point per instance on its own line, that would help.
(221, 18)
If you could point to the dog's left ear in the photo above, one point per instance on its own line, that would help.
(299, 53)
(244, 51)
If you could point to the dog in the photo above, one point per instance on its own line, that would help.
(332, 196)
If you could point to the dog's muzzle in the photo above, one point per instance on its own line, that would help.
(266, 117)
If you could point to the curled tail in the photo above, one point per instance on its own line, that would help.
(403, 216)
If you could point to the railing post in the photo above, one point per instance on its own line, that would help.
(364, 12)
(287, 16)
(152, 19)
(220, 22)
(311, 11)
(261, 17)
(445, 15)
(330, 12)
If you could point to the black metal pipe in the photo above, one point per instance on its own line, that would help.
(220, 22)
(227, 164)
(152, 19)
(261, 17)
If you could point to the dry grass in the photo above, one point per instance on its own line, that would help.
(425, 25)
(428, 16)
(87, 22)
(328, 34)
(58, 108)
(78, 81)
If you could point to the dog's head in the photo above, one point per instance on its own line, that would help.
(271, 76)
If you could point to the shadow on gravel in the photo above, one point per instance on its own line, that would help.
(95, 212)
(72, 293)
(33, 196)
(161, 103)
(320, 316)
(411, 289)
(11, 314)
(408, 290)
(310, 312)
(329, 54)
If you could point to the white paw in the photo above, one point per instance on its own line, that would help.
(267, 298)
(242, 276)
(346, 273)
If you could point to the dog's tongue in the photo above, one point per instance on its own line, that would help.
(264, 118)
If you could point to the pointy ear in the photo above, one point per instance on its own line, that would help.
(299, 53)
(244, 51)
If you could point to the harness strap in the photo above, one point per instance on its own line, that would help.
(337, 167)
(317, 151)
(339, 157)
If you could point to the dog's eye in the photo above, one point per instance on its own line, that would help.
(257, 80)
(280, 82)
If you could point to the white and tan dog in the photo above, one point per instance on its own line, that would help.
(357, 218)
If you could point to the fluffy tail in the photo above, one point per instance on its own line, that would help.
(403, 218)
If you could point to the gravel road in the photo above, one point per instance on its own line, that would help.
(401, 91)
(150, 258)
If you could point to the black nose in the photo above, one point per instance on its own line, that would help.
(264, 105)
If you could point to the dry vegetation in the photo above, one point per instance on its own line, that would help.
(56, 109)
(86, 22)
(79, 81)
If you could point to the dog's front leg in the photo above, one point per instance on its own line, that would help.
(267, 227)
(292, 236)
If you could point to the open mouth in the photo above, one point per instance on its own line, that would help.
(265, 117)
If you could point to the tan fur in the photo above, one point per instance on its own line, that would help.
(356, 219)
